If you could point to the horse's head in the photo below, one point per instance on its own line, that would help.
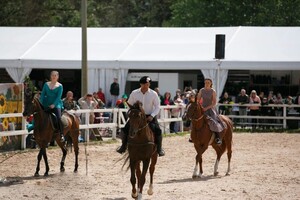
(194, 111)
(29, 95)
(137, 118)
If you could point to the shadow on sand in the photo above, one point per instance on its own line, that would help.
(8, 181)
(204, 178)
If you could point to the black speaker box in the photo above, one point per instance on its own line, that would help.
(220, 46)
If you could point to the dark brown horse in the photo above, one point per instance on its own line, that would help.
(44, 130)
(202, 137)
(141, 148)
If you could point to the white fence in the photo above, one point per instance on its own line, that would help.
(117, 119)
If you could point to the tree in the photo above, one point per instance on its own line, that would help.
(189, 13)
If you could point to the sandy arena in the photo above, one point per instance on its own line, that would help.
(264, 166)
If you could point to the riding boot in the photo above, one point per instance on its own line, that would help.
(123, 147)
(61, 131)
(218, 140)
(160, 150)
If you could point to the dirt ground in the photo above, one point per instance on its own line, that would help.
(264, 166)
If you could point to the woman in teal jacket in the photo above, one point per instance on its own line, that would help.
(51, 98)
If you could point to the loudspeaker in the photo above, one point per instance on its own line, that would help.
(220, 46)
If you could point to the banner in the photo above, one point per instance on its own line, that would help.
(10, 102)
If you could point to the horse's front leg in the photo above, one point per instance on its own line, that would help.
(133, 179)
(138, 173)
(39, 158)
(200, 150)
(152, 169)
(143, 177)
(196, 168)
(46, 162)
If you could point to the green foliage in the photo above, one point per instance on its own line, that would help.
(28, 84)
(189, 13)
(151, 13)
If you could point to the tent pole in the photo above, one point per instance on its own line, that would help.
(84, 67)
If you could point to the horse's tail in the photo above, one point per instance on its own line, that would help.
(126, 157)
(69, 142)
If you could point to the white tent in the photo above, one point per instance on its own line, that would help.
(112, 51)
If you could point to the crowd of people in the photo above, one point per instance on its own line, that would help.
(260, 105)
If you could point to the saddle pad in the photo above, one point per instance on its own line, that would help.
(64, 121)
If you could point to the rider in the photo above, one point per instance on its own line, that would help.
(51, 98)
(208, 95)
(151, 104)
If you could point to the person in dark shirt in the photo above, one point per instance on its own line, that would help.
(241, 99)
(114, 92)
(225, 100)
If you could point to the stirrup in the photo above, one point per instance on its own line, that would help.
(161, 153)
(218, 141)
(62, 139)
(121, 149)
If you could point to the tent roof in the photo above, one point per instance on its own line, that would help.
(151, 48)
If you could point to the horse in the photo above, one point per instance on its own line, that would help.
(202, 137)
(141, 148)
(45, 131)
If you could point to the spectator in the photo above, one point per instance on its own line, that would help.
(167, 100)
(177, 94)
(114, 92)
(278, 110)
(68, 102)
(88, 102)
(123, 104)
(175, 113)
(241, 99)
(261, 95)
(289, 101)
(225, 110)
(159, 95)
(99, 105)
(254, 109)
(101, 95)
(297, 101)
(265, 111)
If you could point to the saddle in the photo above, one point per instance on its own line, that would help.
(54, 121)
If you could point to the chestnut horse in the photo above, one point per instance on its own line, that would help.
(202, 137)
(141, 148)
(44, 130)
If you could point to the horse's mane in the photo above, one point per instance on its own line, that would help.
(39, 102)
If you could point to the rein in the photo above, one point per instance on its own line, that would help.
(142, 128)
(198, 118)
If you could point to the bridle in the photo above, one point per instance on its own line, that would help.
(199, 118)
(139, 129)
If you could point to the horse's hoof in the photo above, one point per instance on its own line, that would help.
(46, 174)
(36, 174)
(195, 177)
(150, 192)
(227, 174)
(62, 169)
(134, 195)
(75, 171)
(216, 173)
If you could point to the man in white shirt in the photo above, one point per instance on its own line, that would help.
(151, 104)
